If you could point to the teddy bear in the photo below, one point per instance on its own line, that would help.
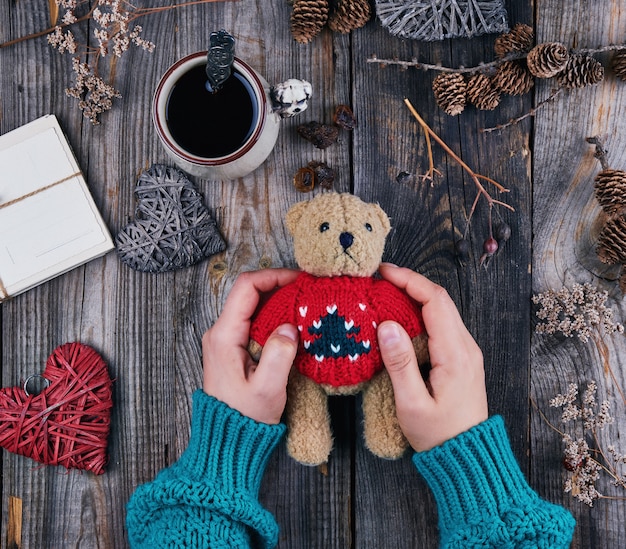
(337, 304)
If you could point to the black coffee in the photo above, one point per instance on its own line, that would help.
(208, 124)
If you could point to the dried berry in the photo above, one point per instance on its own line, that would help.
(490, 246)
(403, 177)
(324, 174)
(321, 135)
(462, 249)
(344, 117)
(304, 180)
(502, 232)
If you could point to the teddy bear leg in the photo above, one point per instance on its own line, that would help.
(383, 436)
(309, 438)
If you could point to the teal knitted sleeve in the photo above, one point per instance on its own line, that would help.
(483, 499)
(209, 497)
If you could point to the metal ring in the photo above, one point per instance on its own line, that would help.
(34, 376)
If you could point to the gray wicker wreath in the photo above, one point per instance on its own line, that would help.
(172, 227)
(431, 20)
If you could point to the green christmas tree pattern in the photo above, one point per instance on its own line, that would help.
(336, 337)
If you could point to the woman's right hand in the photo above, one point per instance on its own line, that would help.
(454, 397)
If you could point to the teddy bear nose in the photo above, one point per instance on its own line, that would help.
(346, 240)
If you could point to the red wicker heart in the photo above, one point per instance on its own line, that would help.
(68, 422)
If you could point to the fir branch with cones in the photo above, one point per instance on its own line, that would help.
(517, 65)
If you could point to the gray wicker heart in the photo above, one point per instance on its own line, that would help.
(172, 227)
(431, 20)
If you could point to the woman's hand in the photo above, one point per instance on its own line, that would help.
(454, 398)
(257, 390)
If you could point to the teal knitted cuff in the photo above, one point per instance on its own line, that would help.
(479, 487)
(227, 448)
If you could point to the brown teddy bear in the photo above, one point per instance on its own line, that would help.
(337, 305)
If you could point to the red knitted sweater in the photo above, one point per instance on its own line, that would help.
(337, 319)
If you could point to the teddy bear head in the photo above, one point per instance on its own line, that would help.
(338, 234)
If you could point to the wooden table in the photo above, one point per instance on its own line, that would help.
(148, 327)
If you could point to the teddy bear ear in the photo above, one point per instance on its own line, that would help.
(294, 214)
(384, 219)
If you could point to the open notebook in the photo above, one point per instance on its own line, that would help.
(49, 223)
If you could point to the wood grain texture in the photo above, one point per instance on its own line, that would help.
(148, 327)
(426, 221)
(566, 223)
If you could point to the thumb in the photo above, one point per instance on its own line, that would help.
(278, 354)
(396, 350)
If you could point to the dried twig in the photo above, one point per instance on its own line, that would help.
(601, 152)
(532, 112)
(475, 177)
(414, 63)
(490, 245)
(432, 171)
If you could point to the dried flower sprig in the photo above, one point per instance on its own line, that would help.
(584, 457)
(580, 312)
(503, 231)
(114, 32)
(575, 313)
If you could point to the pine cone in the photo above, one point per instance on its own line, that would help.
(519, 39)
(482, 92)
(612, 241)
(618, 64)
(610, 190)
(547, 60)
(307, 19)
(581, 70)
(450, 90)
(514, 78)
(349, 15)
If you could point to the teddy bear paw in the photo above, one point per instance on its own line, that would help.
(386, 445)
(312, 450)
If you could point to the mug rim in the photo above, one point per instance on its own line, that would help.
(159, 117)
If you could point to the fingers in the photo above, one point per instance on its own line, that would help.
(439, 311)
(244, 297)
(398, 356)
(277, 358)
(416, 285)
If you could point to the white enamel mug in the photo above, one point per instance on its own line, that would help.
(263, 130)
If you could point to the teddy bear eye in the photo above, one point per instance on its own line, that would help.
(324, 227)
(368, 227)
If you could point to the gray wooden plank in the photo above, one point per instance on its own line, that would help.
(494, 302)
(148, 327)
(566, 223)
